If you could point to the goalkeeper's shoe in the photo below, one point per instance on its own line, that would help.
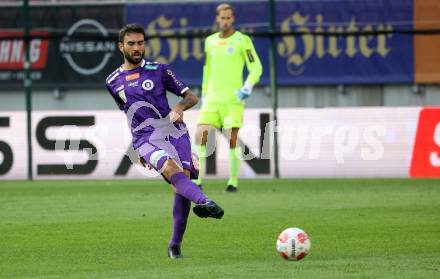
(174, 252)
(231, 189)
(208, 209)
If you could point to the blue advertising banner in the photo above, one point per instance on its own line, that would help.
(185, 55)
(305, 58)
(372, 58)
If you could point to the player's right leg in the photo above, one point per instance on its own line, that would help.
(185, 190)
(203, 148)
(181, 209)
(208, 121)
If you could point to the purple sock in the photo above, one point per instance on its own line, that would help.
(187, 188)
(181, 209)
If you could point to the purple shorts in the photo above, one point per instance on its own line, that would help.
(156, 151)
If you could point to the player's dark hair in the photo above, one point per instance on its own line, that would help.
(130, 28)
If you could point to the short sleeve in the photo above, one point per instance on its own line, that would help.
(172, 83)
(117, 100)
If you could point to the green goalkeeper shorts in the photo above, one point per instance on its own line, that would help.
(221, 116)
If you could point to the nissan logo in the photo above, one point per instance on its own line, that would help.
(79, 49)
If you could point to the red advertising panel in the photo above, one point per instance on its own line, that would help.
(426, 153)
(12, 50)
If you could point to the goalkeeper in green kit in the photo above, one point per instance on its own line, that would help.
(223, 90)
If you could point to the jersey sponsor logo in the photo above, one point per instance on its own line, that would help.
(132, 76)
(121, 95)
(133, 83)
(151, 66)
(75, 49)
(230, 50)
(426, 153)
(147, 84)
(250, 56)
(176, 81)
(12, 51)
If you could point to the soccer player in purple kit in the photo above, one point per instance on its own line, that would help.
(159, 134)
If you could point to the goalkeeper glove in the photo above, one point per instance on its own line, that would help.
(245, 91)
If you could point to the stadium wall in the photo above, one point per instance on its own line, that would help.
(312, 96)
(328, 142)
(389, 63)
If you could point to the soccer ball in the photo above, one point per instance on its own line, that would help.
(293, 244)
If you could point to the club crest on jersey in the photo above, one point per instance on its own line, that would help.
(147, 84)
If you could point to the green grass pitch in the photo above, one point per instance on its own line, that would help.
(359, 228)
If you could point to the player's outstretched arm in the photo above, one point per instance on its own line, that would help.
(189, 100)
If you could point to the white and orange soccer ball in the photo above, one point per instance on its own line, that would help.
(293, 244)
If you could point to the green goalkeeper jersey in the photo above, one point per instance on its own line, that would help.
(223, 70)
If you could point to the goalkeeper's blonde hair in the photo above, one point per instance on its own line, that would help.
(223, 7)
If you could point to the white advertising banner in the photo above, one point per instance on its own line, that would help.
(328, 142)
(97, 143)
(349, 142)
(256, 138)
(13, 145)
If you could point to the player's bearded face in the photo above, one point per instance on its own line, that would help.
(134, 56)
(133, 47)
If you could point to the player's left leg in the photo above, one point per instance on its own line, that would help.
(182, 205)
(185, 188)
(171, 168)
(234, 160)
(232, 122)
(174, 163)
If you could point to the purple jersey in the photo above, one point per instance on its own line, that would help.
(141, 94)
